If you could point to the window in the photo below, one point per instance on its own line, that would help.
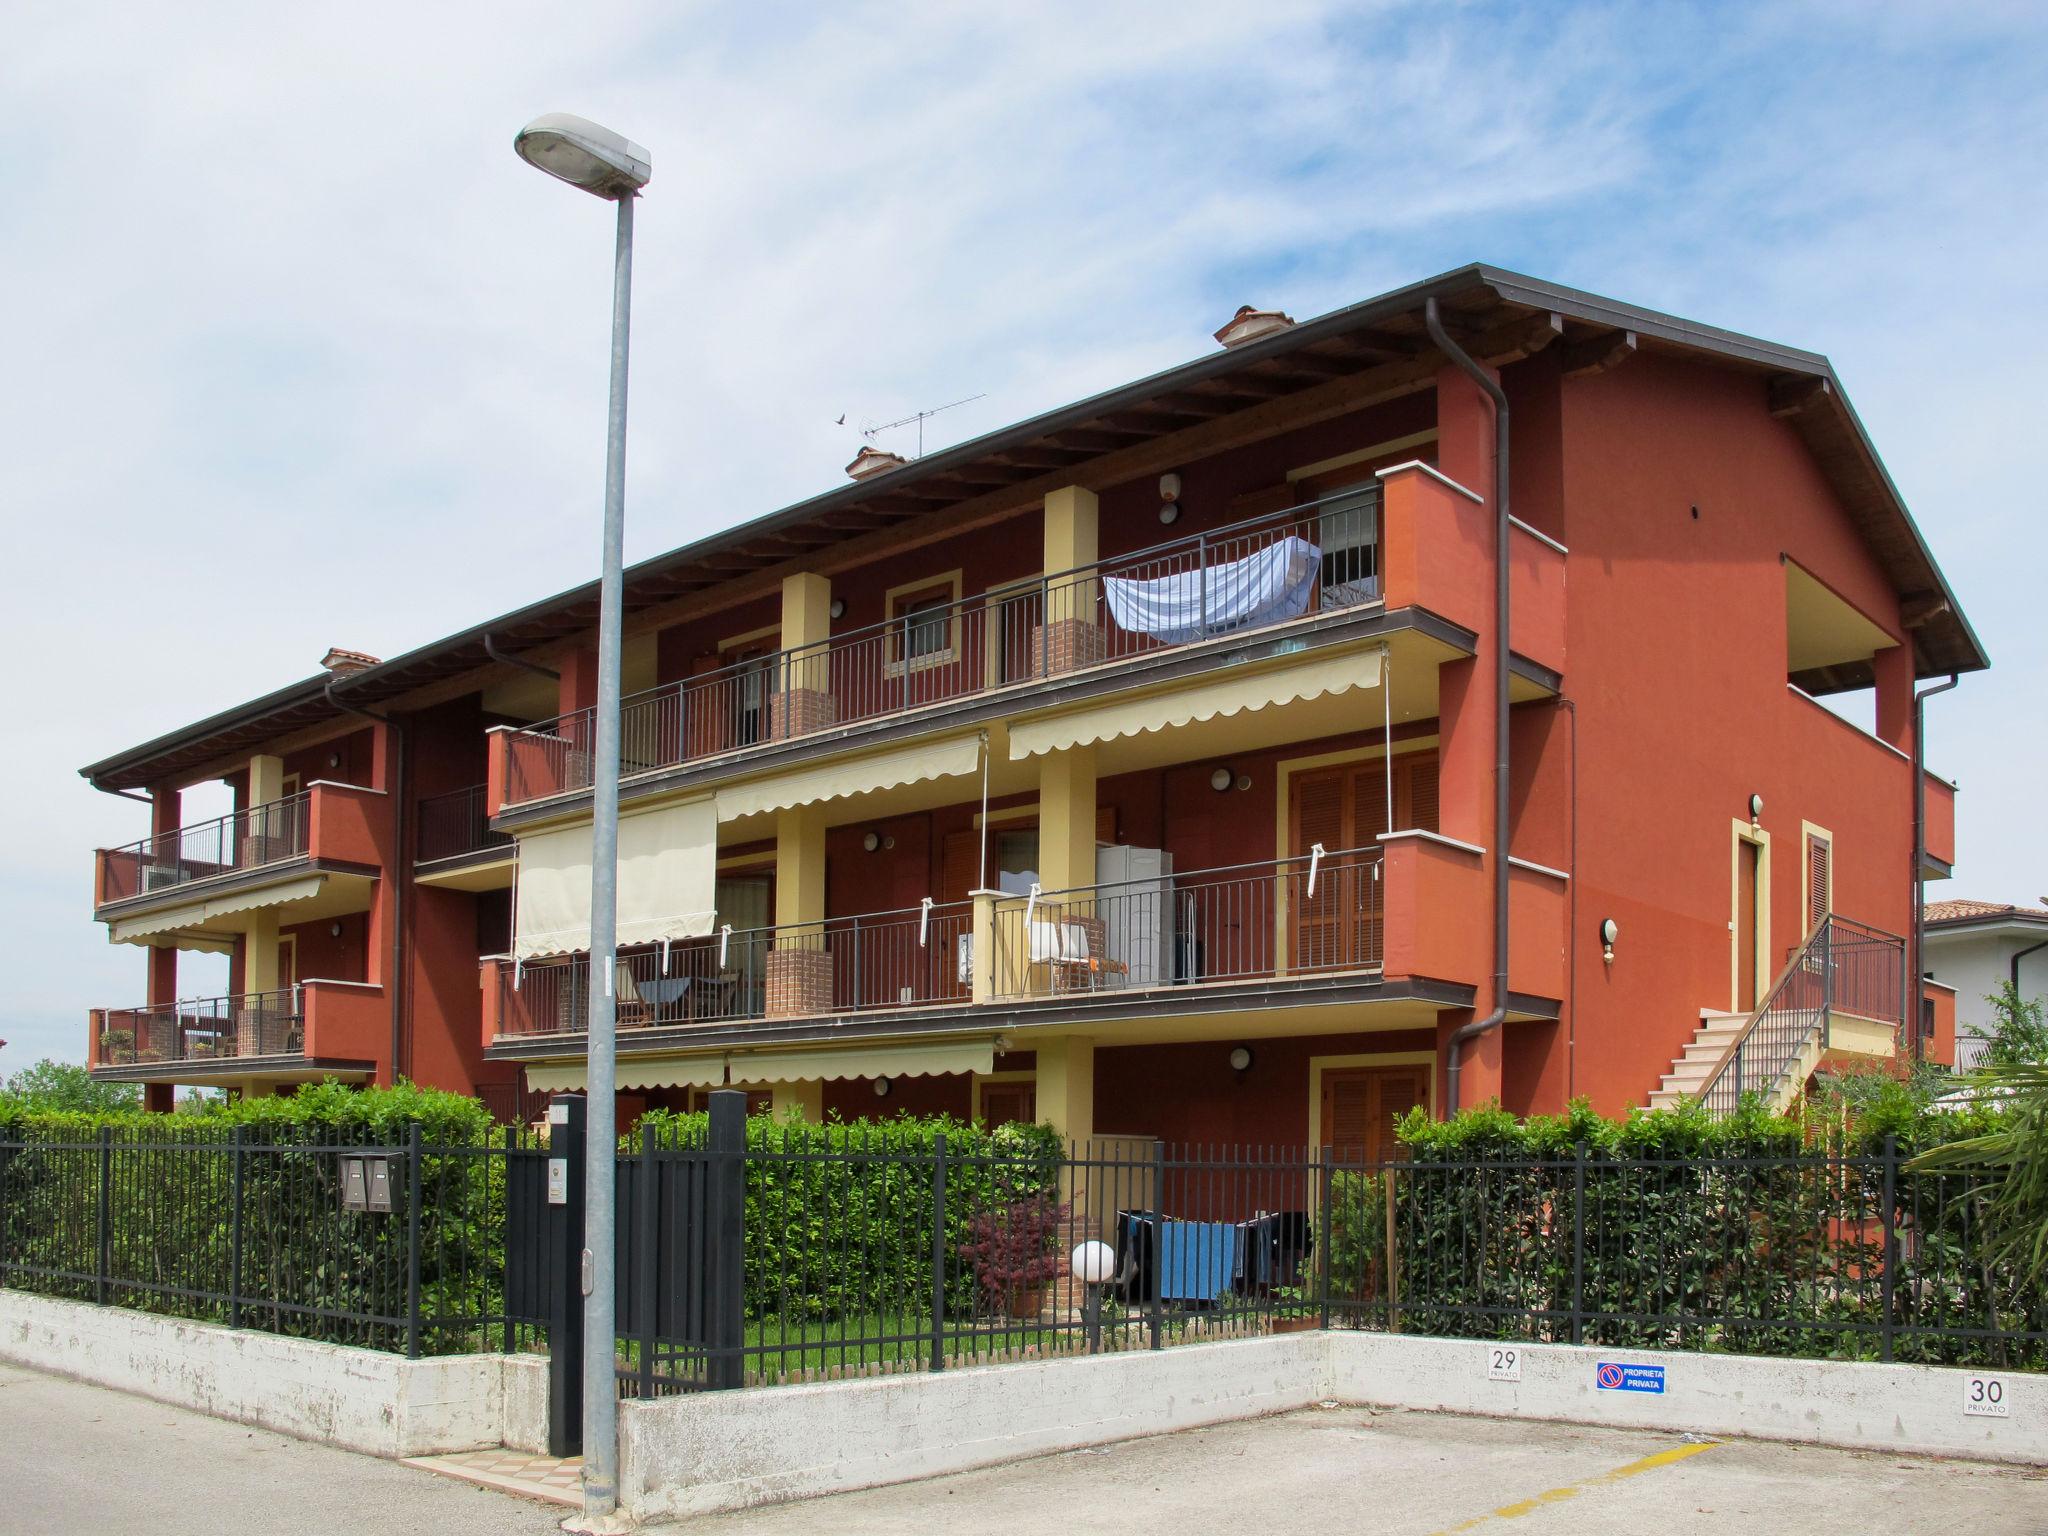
(925, 629)
(1337, 926)
(1820, 879)
(1016, 860)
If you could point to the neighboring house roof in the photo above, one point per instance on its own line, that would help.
(1982, 914)
(1323, 367)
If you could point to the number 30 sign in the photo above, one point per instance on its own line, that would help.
(1984, 1397)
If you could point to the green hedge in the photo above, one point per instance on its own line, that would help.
(1757, 1233)
(839, 1217)
(304, 1259)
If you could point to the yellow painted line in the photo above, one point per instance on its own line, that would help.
(1515, 1511)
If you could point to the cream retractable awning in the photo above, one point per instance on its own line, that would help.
(879, 1059)
(196, 914)
(668, 872)
(861, 776)
(1237, 690)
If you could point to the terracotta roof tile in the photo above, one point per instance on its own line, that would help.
(1964, 911)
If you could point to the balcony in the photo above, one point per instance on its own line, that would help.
(314, 1029)
(1941, 827)
(1252, 576)
(913, 958)
(1292, 933)
(454, 845)
(317, 852)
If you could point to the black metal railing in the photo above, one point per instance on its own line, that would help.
(316, 1234)
(1320, 914)
(1843, 967)
(752, 1251)
(910, 958)
(245, 839)
(203, 1029)
(1318, 557)
(456, 823)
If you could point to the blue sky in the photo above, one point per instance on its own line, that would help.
(299, 355)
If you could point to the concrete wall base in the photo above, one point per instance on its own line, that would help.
(359, 1399)
(719, 1451)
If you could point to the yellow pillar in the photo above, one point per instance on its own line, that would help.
(1070, 528)
(799, 868)
(1066, 819)
(259, 952)
(1066, 1085)
(1070, 633)
(806, 1098)
(266, 779)
(805, 695)
(799, 971)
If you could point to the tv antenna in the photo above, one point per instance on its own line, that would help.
(919, 417)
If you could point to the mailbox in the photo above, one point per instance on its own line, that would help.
(366, 1183)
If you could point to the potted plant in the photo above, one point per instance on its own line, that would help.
(1014, 1249)
(117, 1045)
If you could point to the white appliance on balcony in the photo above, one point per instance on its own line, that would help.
(1136, 907)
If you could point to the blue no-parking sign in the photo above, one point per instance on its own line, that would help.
(1612, 1376)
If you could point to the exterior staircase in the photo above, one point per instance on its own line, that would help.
(1842, 967)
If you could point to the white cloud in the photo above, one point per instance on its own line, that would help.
(299, 354)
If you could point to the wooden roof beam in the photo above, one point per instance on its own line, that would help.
(1596, 354)
(1793, 393)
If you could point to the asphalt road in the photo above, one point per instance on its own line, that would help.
(82, 1459)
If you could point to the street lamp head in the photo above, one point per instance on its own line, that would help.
(580, 152)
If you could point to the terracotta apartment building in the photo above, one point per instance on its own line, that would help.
(1134, 767)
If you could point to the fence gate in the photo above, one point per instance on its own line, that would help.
(677, 1259)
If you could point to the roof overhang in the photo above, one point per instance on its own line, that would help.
(1316, 370)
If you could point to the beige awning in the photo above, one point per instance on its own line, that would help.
(196, 914)
(668, 872)
(854, 1059)
(1235, 691)
(859, 776)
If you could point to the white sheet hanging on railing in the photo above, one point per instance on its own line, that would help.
(1266, 587)
(668, 872)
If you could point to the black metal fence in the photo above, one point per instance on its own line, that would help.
(752, 1252)
(400, 1247)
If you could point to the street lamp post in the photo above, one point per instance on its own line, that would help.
(606, 165)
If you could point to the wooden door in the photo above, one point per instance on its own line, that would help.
(1362, 1105)
(1008, 1103)
(1339, 926)
(1749, 866)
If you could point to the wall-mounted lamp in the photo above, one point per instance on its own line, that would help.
(1756, 809)
(334, 759)
(334, 930)
(1169, 498)
(838, 608)
(872, 841)
(1610, 930)
(882, 1087)
(1221, 779)
(1240, 1059)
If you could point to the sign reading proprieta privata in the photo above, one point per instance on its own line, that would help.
(1613, 1376)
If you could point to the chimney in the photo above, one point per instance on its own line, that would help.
(346, 663)
(1249, 324)
(870, 462)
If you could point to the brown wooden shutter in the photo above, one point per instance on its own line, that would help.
(1419, 776)
(1319, 806)
(959, 865)
(1820, 890)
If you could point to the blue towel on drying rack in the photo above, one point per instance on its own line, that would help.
(1197, 1259)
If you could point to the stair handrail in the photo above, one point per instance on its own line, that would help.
(1797, 967)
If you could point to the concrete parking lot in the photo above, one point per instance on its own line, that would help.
(82, 1459)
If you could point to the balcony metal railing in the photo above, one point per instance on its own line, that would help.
(1318, 557)
(904, 959)
(204, 1029)
(1318, 915)
(1842, 967)
(246, 839)
(456, 823)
